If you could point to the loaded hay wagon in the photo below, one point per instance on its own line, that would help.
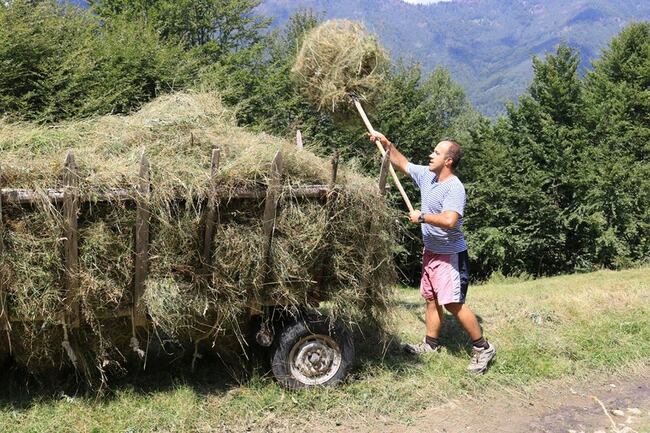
(172, 224)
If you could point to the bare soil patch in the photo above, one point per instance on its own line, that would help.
(558, 406)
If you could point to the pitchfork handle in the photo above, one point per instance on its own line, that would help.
(383, 152)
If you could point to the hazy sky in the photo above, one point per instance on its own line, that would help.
(425, 2)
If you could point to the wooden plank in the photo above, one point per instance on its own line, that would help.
(271, 204)
(4, 312)
(210, 221)
(299, 139)
(383, 173)
(335, 168)
(71, 243)
(26, 196)
(312, 191)
(125, 311)
(142, 221)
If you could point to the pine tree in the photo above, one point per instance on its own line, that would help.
(556, 86)
(617, 198)
(525, 187)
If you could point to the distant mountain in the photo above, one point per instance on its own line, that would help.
(486, 44)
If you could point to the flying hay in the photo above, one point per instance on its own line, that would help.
(339, 58)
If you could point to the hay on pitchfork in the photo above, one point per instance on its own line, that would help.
(337, 59)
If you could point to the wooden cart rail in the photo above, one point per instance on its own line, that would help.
(70, 199)
(29, 196)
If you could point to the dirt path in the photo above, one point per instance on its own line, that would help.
(559, 408)
(555, 407)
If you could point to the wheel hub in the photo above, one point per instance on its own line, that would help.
(315, 359)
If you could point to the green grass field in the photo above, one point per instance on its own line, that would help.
(563, 328)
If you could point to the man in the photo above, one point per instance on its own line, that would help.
(445, 264)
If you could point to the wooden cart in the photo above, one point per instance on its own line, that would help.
(304, 351)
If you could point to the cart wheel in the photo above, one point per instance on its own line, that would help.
(311, 353)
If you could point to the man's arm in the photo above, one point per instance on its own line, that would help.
(446, 219)
(398, 160)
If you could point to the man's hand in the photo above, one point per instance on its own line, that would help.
(398, 160)
(382, 139)
(414, 216)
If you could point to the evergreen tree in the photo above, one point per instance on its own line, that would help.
(617, 190)
(556, 86)
(530, 162)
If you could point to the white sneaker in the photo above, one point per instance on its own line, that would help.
(481, 358)
(420, 348)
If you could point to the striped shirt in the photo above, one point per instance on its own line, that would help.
(437, 197)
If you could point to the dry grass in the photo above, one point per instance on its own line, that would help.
(337, 59)
(344, 252)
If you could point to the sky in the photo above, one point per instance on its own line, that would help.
(424, 2)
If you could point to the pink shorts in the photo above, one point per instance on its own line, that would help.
(445, 277)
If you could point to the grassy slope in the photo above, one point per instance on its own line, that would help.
(563, 327)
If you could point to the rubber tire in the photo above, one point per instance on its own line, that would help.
(293, 333)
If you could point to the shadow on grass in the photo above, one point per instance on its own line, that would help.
(168, 365)
(214, 374)
(383, 352)
(452, 335)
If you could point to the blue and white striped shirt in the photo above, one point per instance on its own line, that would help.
(438, 197)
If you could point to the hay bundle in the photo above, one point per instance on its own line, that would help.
(339, 58)
(345, 254)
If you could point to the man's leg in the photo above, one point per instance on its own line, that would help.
(433, 315)
(482, 351)
(433, 318)
(467, 319)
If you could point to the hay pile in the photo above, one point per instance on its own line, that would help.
(337, 59)
(341, 248)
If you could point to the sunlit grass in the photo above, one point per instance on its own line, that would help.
(554, 328)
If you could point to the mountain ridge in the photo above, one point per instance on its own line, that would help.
(487, 45)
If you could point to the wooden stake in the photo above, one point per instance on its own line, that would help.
(71, 245)
(271, 202)
(383, 173)
(4, 311)
(383, 152)
(142, 221)
(299, 139)
(212, 211)
(335, 169)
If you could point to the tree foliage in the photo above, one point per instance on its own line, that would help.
(34, 38)
(618, 118)
(58, 61)
(523, 198)
(213, 28)
(558, 184)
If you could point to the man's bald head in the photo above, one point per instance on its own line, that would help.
(454, 151)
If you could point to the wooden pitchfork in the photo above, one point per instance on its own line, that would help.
(383, 152)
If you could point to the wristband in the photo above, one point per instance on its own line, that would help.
(421, 218)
